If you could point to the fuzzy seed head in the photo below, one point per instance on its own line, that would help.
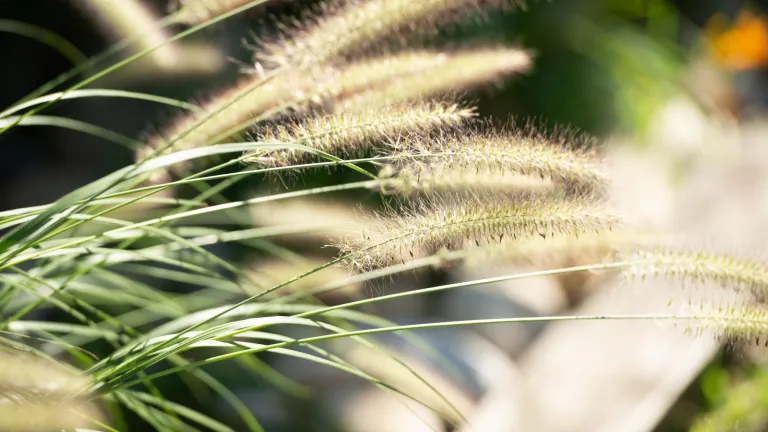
(699, 267)
(35, 395)
(236, 108)
(40, 416)
(354, 134)
(429, 225)
(322, 88)
(745, 322)
(421, 178)
(423, 74)
(504, 152)
(28, 375)
(345, 28)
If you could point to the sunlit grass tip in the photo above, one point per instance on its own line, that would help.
(418, 74)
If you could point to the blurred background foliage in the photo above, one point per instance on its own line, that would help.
(608, 67)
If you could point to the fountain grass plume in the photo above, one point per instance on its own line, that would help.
(431, 224)
(559, 158)
(341, 29)
(357, 134)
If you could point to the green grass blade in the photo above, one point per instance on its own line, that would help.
(45, 36)
(91, 93)
(181, 410)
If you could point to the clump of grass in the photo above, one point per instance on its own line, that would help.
(525, 196)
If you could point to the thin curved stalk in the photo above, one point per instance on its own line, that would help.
(45, 36)
(76, 125)
(90, 93)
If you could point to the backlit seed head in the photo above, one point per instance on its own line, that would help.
(519, 151)
(701, 266)
(341, 29)
(357, 134)
(428, 225)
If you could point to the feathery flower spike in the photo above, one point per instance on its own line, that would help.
(504, 152)
(348, 27)
(435, 224)
(352, 135)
